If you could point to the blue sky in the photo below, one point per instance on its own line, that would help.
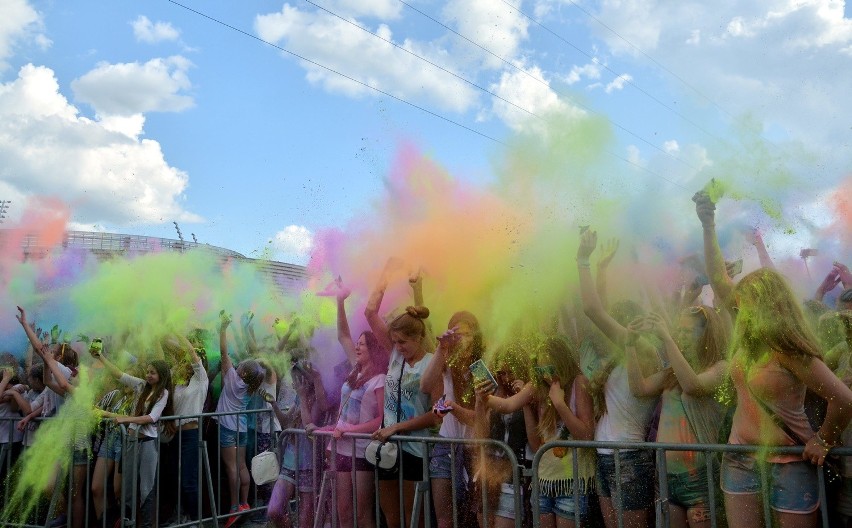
(142, 113)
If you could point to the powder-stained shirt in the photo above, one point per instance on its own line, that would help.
(414, 402)
(189, 398)
(358, 406)
(234, 399)
(150, 430)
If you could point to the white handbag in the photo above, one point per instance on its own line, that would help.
(383, 455)
(264, 468)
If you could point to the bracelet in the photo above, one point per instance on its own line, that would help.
(823, 443)
(583, 263)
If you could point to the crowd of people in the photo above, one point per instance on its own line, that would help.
(757, 367)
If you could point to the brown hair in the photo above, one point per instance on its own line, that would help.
(410, 322)
(566, 365)
(769, 315)
(378, 363)
(151, 394)
(710, 348)
(460, 360)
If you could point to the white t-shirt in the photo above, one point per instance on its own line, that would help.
(414, 402)
(452, 427)
(189, 398)
(234, 399)
(150, 430)
(54, 401)
(357, 407)
(627, 417)
(263, 418)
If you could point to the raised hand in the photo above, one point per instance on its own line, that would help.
(831, 280)
(588, 242)
(246, 318)
(448, 339)
(21, 316)
(844, 273)
(705, 208)
(608, 251)
(224, 319)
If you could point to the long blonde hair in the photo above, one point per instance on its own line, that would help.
(770, 316)
(558, 352)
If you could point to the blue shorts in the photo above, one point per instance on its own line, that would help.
(793, 485)
(689, 490)
(110, 447)
(441, 465)
(637, 475)
(563, 506)
(506, 502)
(230, 438)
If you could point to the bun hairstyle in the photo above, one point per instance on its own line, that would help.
(410, 322)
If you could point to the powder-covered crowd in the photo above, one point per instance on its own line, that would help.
(758, 367)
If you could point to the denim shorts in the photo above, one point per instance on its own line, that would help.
(689, 490)
(81, 457)
(230, 438)
(110, 447)
(506, 502)
(441, 465)
(305, 482)
(793, 485)
(637, 475)
(563, 506)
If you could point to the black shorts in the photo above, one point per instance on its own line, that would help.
(344, 464)
(412, 469)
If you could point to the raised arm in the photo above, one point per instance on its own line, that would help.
(592, 306)
(432, 379)
(344, 335)
(756, 239)
(60, 385)
(608, 251)
(109, 365)
(249, 339)
(371, 311)
(515, 402)
(31, 335)
(642, 386)
(720, 281)
(225, 360)
(693, 383)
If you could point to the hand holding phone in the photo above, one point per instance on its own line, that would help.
(441, 408)
(481, 373)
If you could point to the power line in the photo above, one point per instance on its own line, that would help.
(424, 59)
(544, 83)
(618, 75)
(434, 114)
(317, 64)
(652, 59)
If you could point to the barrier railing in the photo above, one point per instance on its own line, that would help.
(660, 450)
(133, 507)
(422, 495)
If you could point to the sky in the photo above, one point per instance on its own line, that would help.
(139, 114)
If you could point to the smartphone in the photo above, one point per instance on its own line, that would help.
(544, 372)
(96, 347)
(480, 372)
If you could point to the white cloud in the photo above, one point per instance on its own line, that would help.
(131, 88)
(671, 146)
(494, 25)
(19, 22)
(784, 62)
(538, 98)
(591, 70)
(294, 241)
(153, 32)
(108, 177)
(353, 52)
(618, 83)
(382, 9)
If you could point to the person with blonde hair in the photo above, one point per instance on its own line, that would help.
(775, 359)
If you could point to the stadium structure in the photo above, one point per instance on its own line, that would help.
(289, 278)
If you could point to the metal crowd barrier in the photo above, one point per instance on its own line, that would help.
(660, 449)
(323, 484)
(322, 440)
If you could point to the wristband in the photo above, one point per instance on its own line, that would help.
(583, 262)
